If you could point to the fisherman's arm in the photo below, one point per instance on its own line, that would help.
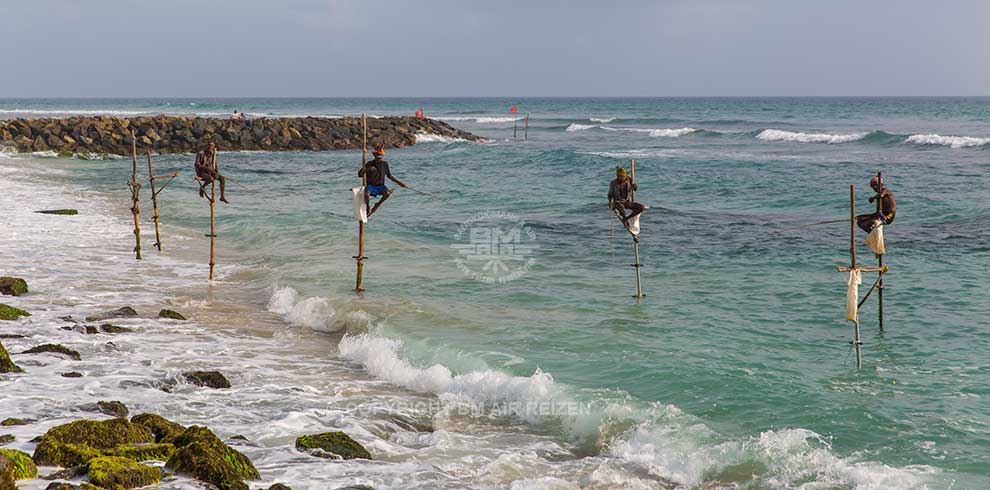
(388, 173)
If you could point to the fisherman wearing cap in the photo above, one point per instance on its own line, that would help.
(377, 170)
(868, 221)
(620, 193)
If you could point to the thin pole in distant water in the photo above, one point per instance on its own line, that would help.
(135, 193)
(364, 184)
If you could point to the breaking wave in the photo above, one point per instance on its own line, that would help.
(436, 138)
(952, 141)
(780, 135)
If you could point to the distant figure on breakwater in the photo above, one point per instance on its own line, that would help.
(237, 116)
(377, 170)
(620, 196)
(207, 171)
(868, 221)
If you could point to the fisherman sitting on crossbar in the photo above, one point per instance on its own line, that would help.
(377, 170)
(620, 196)
(207, 171)
(885, 212)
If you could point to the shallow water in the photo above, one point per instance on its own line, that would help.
(734, 371)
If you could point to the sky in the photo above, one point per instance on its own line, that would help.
(452, 48)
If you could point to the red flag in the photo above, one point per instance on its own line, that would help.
(419, 113)
(513, 109)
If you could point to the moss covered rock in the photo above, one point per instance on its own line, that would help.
(8, 312)
(202, 462)
(116, 473)
(332, 445)
(71, 374)
(77, 442)
(237, 460)
(12, 421)
(64, 211)
(123, 312)
(6, 364)
(212, 379)
(114, 407)
(54, 349)
(170, 314)
(162, 428)
(7, 439)
(13, 286)
(145, 452)
(17, 465)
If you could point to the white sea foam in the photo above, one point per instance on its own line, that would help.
(482, 119)
(601, 119)
(953, 141)
(579, 127)
(436, 138)
(780, 135)
(656, 132)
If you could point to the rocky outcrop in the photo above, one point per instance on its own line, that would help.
(171, 314)
(7, 365)
(162, 428)
(54, 349)
(101, 135)
(13, 286)
(210, 379)
(335, 445)
(8, 312)
(16, 465)
(121, 473)
(78, 442)
(202, 455)
(123, 312)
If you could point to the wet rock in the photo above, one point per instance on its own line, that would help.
(336, 445)
(77, 442)
(13, 286)
(68, 318)
(198, 461)
(68, 473)
(54, 349)
(59, 485)
(162, 428)
(7, 439)
(356, 487)
(118, 473)
(279, 486)
(115, 408)
(125, 312)
(111, 328)
(8, 312)
(86, 329)
(212, 379)
(170, 314)
(12, 336)
(201, 435)
(7, 365)
(16, 465)
(71, 374)
(65, 212)
(11, 421)
(145, 452)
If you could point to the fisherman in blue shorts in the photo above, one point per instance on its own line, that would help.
(377, 170)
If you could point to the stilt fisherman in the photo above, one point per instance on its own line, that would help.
(377, 170)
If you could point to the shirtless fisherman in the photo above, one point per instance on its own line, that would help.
(867, 221)
(377, 170)
(620, 196)
(206, 170)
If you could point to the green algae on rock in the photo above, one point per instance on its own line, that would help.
(8, 312)
(211, 379)
(63, 212)
(145, 452)
(6, 364)
(77, 442)
(203, 463)
(54, 349)
(11, 421)
(332, 445)
(7, 439)
(237, 460)
(114, 407)
(17, 464)
(162, 428)
(117, 473)
(13, 286)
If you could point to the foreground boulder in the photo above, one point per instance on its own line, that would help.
(163, 429)
(54, 349)
(202, 455)
(171, 314)
(78, 442)
(117, 473)
(8, 312)
(211, 379)
(16, 465)
(115, 408)
(65, 212)
(337, 445)
(13, 286)
(7, 365)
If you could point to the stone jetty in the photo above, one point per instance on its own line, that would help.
(98, 135)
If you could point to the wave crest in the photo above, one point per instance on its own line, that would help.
(781, 135)
(952, 141)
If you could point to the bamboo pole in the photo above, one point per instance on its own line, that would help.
(857, 344)
(637, 265)
(135, 194)
(527, 128)
(515, 125)
(364, 183)
(154, 203)
(213, 205)
(880, 257)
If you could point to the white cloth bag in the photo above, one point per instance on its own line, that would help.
(360, 205)
(852, 295)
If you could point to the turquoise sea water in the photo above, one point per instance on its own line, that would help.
(735, 369)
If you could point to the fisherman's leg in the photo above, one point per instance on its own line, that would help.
(865, 221)
(636, 208)
(381, 201)
(223, 184)
(620, 211)
(204, 181)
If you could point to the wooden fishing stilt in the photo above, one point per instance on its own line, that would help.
(637, 265)
(364, 183)
(154, 203)
(213, 223)
(857, 343)
(135, 194)
(880, 257)
(526, 137)
(515, 124)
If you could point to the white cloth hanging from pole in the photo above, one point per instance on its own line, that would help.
(634, 225)
(360, 204)
(852, 295)
(875, 240)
